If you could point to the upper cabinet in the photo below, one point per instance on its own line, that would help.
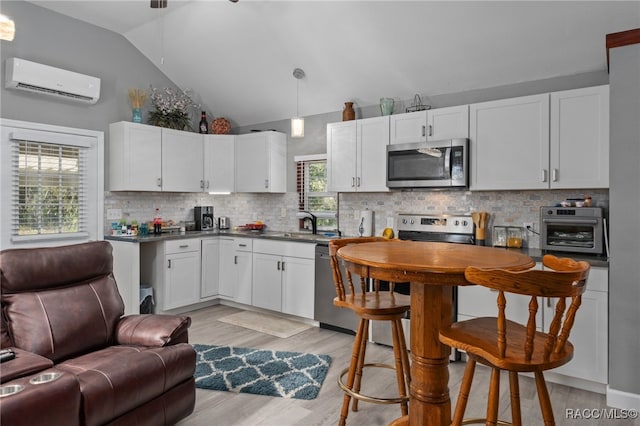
(357, 155)
(150, 158)
(135, 157)
(557, 140)
(261, 162)
(510, 143)
(579, 156)
(182, 161)
(430, 125)
(219, 163)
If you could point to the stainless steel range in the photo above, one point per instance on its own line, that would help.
(457, 229)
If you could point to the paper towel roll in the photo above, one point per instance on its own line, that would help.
(365, 225)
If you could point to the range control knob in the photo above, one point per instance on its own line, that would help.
(457, 222)
(465, 223)
(404, 221)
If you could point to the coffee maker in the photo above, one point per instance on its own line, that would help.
(203, 216)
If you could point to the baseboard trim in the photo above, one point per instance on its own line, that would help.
(620, 399)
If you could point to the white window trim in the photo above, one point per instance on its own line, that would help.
(95, 214)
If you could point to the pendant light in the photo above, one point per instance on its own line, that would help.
(297, 123)
(7, 28)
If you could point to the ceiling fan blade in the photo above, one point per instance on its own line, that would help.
(159, 4)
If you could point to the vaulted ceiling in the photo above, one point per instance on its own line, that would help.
(238, 58)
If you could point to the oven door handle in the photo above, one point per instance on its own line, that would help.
(572, 221)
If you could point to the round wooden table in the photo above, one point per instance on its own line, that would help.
(433, 269)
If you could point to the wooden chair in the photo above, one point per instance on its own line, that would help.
(506, 345)
(370, 305)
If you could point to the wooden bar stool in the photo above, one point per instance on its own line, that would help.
(506, 345)
(371, 305)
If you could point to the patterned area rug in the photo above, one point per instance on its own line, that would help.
(260, 371)
(265, 323)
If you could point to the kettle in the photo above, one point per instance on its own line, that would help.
(224, 222)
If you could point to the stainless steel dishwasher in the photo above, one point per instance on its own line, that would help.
(328, 315)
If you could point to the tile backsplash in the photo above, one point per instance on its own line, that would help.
(278, 210)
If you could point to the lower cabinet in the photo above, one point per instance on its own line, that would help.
(235, 265)
(210, 285)
(174, 269)
(589, 334)
(283, 277)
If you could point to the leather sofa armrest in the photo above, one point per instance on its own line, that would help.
(24, 364)
(153, 330)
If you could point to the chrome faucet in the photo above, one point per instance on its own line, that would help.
(305, 215)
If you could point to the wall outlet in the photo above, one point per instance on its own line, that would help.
(114, 214)
(530, 226)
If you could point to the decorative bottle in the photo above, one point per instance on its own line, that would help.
(348, 113)
(157, 223)
(203, 126)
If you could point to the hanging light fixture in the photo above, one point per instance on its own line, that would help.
(297, 122)
(7, 28)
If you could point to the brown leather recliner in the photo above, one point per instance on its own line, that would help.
(62, 312)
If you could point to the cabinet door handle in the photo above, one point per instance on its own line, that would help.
(353, 181)
(278, 267)
(235, 260)
(548, 302)
(159, 181)
(242, 245)
(207, 183)
(430, 130)
(544, 175)
(184, 245)
(358, 181)
(201, 184)
(169, 266)
(282, 266)
(554, 175)
(266, 183)
(424, 130)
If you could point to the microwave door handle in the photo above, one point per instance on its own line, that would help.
(564, 222)
(448, 158)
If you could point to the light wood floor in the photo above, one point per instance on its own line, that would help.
(226, 408)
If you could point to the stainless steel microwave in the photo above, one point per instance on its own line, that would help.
(437, 164)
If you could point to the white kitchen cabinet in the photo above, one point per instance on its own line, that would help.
(135, 157)
(267, 281)
(260, 162)
(235, 272)
(182, 165)
(476, 301)
(151, 158)
(357, 156)
(579, 154)
(510, 143)
(210, 268)
(283, 277)
(430, 125)
(181, 285)
(219, 163)
(557, 140)
(589, 334)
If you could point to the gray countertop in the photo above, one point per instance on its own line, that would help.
(535, 254)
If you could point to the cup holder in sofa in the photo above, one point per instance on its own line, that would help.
(45, 378)
(9, 390)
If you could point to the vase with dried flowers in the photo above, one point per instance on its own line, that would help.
(137, 98)
(171, 108)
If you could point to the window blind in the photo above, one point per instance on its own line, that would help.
(49, 187)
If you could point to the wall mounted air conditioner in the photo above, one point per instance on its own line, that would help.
(38, 78)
